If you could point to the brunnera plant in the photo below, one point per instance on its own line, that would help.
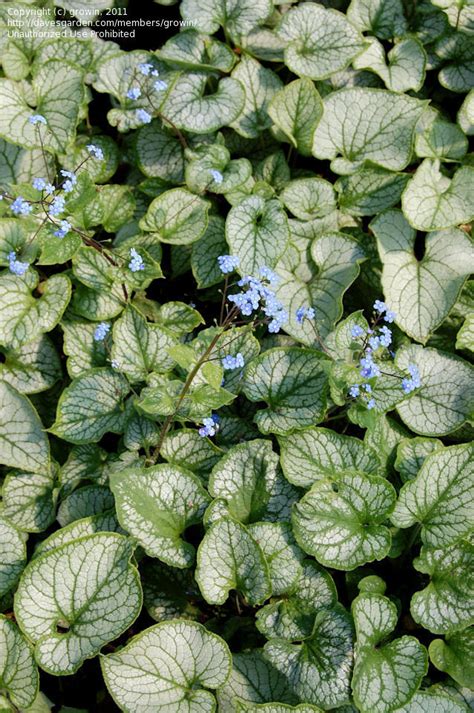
(236, 385)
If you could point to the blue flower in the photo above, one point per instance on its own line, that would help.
(279, 320)
(134, 93)
(409, 385)
(357, 331)
(20, 206)
(354, 391)
(39, 184)
(57, 206)
(390, 316)
(145, 68)
(371, 404)
(71, 181)
(136, 263)
(367, 367)
(160, 85)
(367, 388)
(95, 151)
(231, 362)
(379, 306)
(143, 116)
(101, 331)
(155, 73)
(16, 267)
(374, 342)
(303, 313)
(217, 176)
(64, 228)
(228, 263)
(49, 188)
(385, 337)
(210, 427)
(37, 119)
(245, 301)
(269, 275)
(115, 364)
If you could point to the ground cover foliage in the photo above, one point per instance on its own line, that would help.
(236, 381)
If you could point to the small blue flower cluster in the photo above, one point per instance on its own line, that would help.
(414, 382)
(37, 119)
(147, 70)
(217, 176)
(362, 390)
(231, 362)
(257, 295)
(210, 426)
(95, 151)
(16, 267)
(101, 331)
(136, 263)
(42, 185)
(70, 182)
(20, 206)
(57, 206)
(63, 230)
(303, 313)
(375, 340)
(381, 308)
(228, 263)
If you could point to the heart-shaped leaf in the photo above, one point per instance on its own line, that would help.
(75, 598)
(296, 110)
(293, 383)
(191, 108)
(455, 656)
(253, 679)
(432, 201)
(441, 496)
(33, 367)
(370, 190)
(18, 670)
(238, 18)
(412, 453)
(318, 41)
(446, 604)
(363, 124)
(229, 558)
(281, 552)
(248, 480)
(260, 85)
(186, 660)
(309, 198)
(156, 505)
(177, 216)
(23, 442)
(431, 285)
(29, 500)
(13, 555)
(404, 68)
(318, 453)
(383, 18)
(292, 616)
(340, 520)
(434, 409)
(59, 90)
(386, 675)
(319, 669)
(432, 702)
(91, 406)
(338, 257)
(23, 317)
(257, 233)
(139, 346)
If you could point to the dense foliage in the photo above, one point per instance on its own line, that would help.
(236, 380)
